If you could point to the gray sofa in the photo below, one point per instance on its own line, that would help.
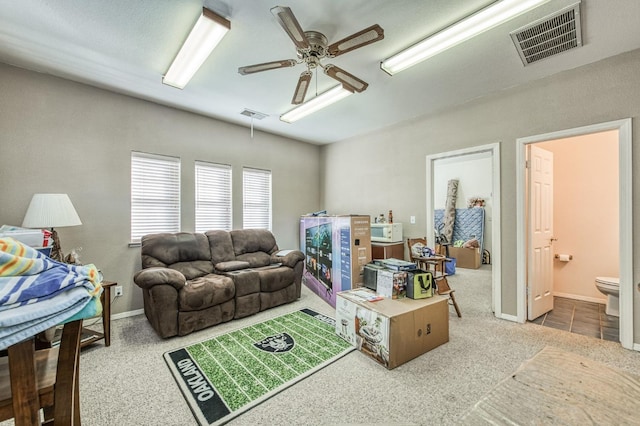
(191, 281)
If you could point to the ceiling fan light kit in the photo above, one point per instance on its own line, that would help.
(314, 104)
(311, 48)
(203, 38)
(484, 20)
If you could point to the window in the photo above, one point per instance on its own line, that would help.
(213, 197)
(256, 206)
(155, 194)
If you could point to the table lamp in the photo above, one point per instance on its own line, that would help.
(51, 211)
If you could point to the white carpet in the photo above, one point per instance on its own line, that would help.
(128, 383)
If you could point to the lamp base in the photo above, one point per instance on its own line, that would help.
(56, 250)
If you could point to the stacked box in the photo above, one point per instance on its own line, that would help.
(392, 332)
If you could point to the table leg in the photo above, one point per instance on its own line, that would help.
(26, 406)
(105, 298)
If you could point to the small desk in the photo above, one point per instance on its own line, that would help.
(105, 299)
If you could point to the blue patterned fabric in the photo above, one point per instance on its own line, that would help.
(37, 292)
(469, 224)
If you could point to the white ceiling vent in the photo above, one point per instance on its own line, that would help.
(549, 36)
(253, 114)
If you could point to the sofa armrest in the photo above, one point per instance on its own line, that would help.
(290, 259)
(149, 277)
(232, 265)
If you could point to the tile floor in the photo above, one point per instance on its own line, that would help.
(580, 317)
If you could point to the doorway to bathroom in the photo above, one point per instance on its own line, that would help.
(574, 222)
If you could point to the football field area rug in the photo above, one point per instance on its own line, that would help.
(227, 375)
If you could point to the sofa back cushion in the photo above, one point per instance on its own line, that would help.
(221, 246)
(254, 246)
(185, 252)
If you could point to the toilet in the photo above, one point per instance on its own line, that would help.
(610, 287)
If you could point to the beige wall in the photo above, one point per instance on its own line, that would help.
(585, 212)
(391, 163)
(61, 136)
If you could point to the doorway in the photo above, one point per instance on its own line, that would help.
(623, 128)
(493, 151)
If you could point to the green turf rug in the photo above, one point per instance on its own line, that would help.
(229, 374)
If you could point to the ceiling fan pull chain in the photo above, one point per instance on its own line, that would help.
(252, 126)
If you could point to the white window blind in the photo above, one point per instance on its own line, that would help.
(155, 194)
(256, 206)
(213, 197)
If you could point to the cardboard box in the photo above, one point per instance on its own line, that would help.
(469, 258)
(336, 249)
(392, 332)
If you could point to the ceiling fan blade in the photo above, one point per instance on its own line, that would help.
(354, 41)
(250, 69)
(301, 88)
(345, 78)
(289, 23)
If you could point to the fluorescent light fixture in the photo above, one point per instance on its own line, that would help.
(204, 37)
(317, 103)
(475, 24)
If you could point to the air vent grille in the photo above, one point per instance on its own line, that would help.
(253, 114)
(549, 36)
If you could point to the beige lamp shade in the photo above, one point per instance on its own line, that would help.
(50, 211)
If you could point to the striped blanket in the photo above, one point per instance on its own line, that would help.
(37, 292)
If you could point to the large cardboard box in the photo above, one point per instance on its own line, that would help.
(469, 258)
(336, 249)
(390, 331)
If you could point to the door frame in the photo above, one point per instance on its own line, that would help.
(496, 240)
(625, 212)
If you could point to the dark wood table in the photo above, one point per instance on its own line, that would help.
(30, 380)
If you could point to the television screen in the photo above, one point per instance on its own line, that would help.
(325, 255)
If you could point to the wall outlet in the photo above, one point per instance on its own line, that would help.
(412, 219)
(118, 291)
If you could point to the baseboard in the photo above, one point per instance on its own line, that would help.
(127, 314)
(636, 347)
(507, 317)
(582, 298)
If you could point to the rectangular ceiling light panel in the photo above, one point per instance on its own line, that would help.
(323, 100)
(204, 37)
(466, 29)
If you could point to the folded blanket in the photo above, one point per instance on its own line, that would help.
(37, 292)
(26, 275)
(68, 306)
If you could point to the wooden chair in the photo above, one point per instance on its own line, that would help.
(444, 290)
(415, 259)
(435, 264)
(47, 379)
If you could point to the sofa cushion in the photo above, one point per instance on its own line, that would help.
(185, 252)
(206, 291)
(255, 259)
(221, 246)
(232, 265)
(253, 240)
(274, 279)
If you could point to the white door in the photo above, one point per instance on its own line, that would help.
(540, 232)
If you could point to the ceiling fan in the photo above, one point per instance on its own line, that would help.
(312, 48)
